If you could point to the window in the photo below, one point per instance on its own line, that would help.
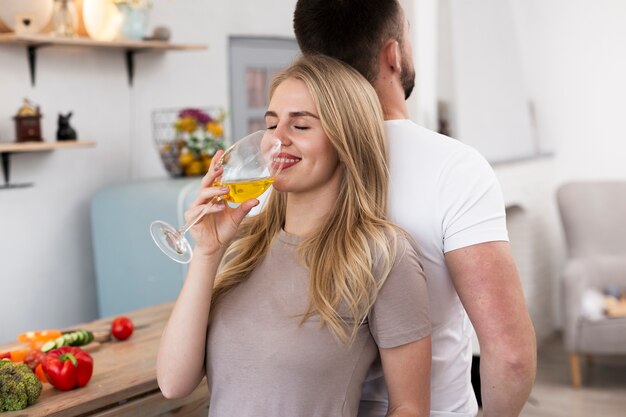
(253, 62)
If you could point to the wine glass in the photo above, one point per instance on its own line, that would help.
(250, 166)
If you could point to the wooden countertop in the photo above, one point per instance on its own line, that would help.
(124, 378)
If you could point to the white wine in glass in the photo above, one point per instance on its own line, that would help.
(250, 166)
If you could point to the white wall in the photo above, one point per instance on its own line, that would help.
(46, 265)
(489, 96)
(575, 61)
(46, 273)
(423, 31)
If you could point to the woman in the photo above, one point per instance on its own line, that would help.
(317, 287)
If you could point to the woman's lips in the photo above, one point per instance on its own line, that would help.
(286, 160)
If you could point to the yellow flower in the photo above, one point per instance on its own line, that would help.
(215, 128)
(188, 124)
(194, 168)
(185, 158)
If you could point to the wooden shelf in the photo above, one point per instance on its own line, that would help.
(41, 40)
(7, 149)
(34, 42)
(18, 147)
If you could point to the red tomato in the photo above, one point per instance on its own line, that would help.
(122, 328)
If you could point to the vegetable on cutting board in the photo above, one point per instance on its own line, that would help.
(19, 386)
(16, 352)
(68, 367)
(38, 338)
(33, 360)
(75, 338)
(122, 327)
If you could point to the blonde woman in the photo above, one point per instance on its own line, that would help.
(286, 311)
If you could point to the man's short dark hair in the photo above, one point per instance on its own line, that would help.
(353, 31)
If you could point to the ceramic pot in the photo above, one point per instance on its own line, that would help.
(31, 15)
(102, 19)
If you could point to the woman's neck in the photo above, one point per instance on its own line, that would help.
(307, 212)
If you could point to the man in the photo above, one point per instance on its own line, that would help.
(446, 195)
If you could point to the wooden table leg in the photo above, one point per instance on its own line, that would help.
(574, 363)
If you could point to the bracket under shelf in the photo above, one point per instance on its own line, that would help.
(5, 161)
(31, 50)
(130, 48)
(8, 149)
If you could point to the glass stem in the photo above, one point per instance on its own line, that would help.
(195, 220)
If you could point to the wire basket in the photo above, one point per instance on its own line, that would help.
(187, 138)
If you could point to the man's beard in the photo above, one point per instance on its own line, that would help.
(407, 77)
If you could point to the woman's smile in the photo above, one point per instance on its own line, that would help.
(287, 160)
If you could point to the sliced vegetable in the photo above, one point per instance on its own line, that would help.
(75, 338)
(38, 338)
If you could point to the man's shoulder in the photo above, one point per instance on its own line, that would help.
(422, 148)
(408, 135)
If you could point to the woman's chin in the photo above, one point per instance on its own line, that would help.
(280, 184)
(280, 188)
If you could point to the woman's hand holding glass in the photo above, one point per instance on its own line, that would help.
(248, 168)
(220, 222)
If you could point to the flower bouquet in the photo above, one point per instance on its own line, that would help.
(188, 139)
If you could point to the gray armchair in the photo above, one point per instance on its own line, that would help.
(594, 220)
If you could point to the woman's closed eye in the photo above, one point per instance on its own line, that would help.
(272, 127)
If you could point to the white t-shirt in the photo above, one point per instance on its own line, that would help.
(446, 195)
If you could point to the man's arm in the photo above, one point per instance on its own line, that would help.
(489, 287)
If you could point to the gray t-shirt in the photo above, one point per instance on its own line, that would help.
(261, 362)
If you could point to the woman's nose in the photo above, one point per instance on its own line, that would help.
(283, 135)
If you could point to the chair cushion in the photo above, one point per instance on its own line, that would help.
(602, 336)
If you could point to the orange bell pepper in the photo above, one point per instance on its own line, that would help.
(38, 338)
(18, 355)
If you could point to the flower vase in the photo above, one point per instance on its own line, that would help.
(134, 21)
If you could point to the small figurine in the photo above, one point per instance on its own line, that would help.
(27, 123)
(65, 131)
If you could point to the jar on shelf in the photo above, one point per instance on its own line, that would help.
(64, 18)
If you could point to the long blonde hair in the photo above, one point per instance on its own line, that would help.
(340, 256)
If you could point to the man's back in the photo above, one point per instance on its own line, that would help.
(447, 197)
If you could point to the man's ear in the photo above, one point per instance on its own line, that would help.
(392, 55)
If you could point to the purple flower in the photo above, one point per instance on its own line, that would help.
(201, 116)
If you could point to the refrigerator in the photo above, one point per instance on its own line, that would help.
(131, 271)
